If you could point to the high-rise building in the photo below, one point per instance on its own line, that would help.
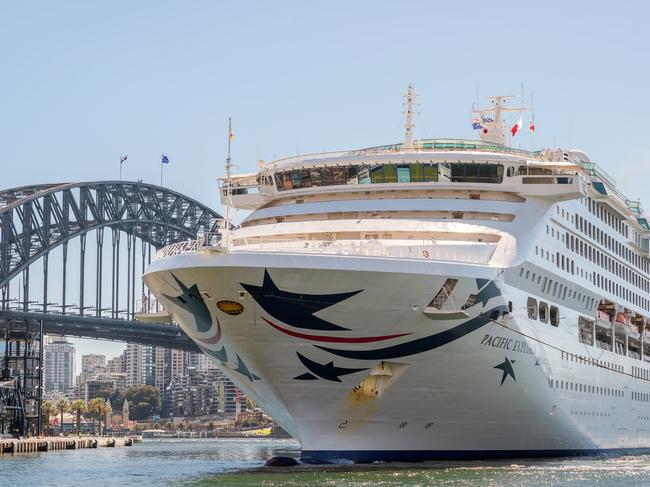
(58, 366)
(169, 364)
(139, 365)
(116, 364)
(91, 365)
(195, 393)
(190, 384)
(201, 361)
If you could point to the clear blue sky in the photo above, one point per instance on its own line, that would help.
(83, 82)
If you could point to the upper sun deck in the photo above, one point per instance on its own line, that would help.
(454, 149)
(429, 164)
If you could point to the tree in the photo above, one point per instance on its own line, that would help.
(94, 407)
(79, 407)
(144, 402)
(210, 426)
(100, 409)
(47, 409)
(115, 396)
(62, 406)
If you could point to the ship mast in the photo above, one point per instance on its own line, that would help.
(410, 97)
(225, 233)
(494, 126)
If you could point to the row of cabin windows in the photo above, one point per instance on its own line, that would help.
(601, 259)
(641, 373)
(455, 172)
(599, 414)
(607, 217)
(586, 388)
(607, 241)
(607, 263)
(543, 312)
(620, 291)
(617, 247)
(640, 396)
(555, 288)
(577, 245)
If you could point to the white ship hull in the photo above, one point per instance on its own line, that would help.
(479, 382)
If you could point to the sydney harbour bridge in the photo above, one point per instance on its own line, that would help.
(71, 260)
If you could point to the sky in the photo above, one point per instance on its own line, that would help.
(85, 82)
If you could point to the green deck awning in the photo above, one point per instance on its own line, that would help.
(644, 223)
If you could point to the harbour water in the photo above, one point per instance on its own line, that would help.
(239, 462)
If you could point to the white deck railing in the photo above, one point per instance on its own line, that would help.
(187, 246)
(470, 253)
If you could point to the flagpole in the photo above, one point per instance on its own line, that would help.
(122, 159)
(161, 171)
(532, 110)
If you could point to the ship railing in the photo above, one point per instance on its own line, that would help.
(472, 253)
(414, 249)
(538, 171)
(189, 246)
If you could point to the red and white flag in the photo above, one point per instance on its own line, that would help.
(516, 127)
(531, 127)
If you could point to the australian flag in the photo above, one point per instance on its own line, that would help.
(476, 123)
(164, 159)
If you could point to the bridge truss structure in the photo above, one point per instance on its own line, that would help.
(72, 256)
(36, 219)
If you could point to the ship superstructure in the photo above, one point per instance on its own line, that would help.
(436, 298)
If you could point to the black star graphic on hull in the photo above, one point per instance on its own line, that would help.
(325, 371)
(293, 308)
(506, 366)
(487, 290)
(191, 301)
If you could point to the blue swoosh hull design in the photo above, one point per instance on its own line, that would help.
(421, 344)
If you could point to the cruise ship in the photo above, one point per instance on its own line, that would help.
(429, 299)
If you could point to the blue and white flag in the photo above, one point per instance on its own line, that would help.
(164, 160)
(476, 123)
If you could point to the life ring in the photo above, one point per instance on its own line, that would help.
(425, 254)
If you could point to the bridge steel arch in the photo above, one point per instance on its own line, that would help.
(34, 220)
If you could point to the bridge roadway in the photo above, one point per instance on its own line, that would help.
(131, 331)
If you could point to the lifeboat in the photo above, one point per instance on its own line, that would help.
(623, 324)
(622, 319)
(603, 320)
